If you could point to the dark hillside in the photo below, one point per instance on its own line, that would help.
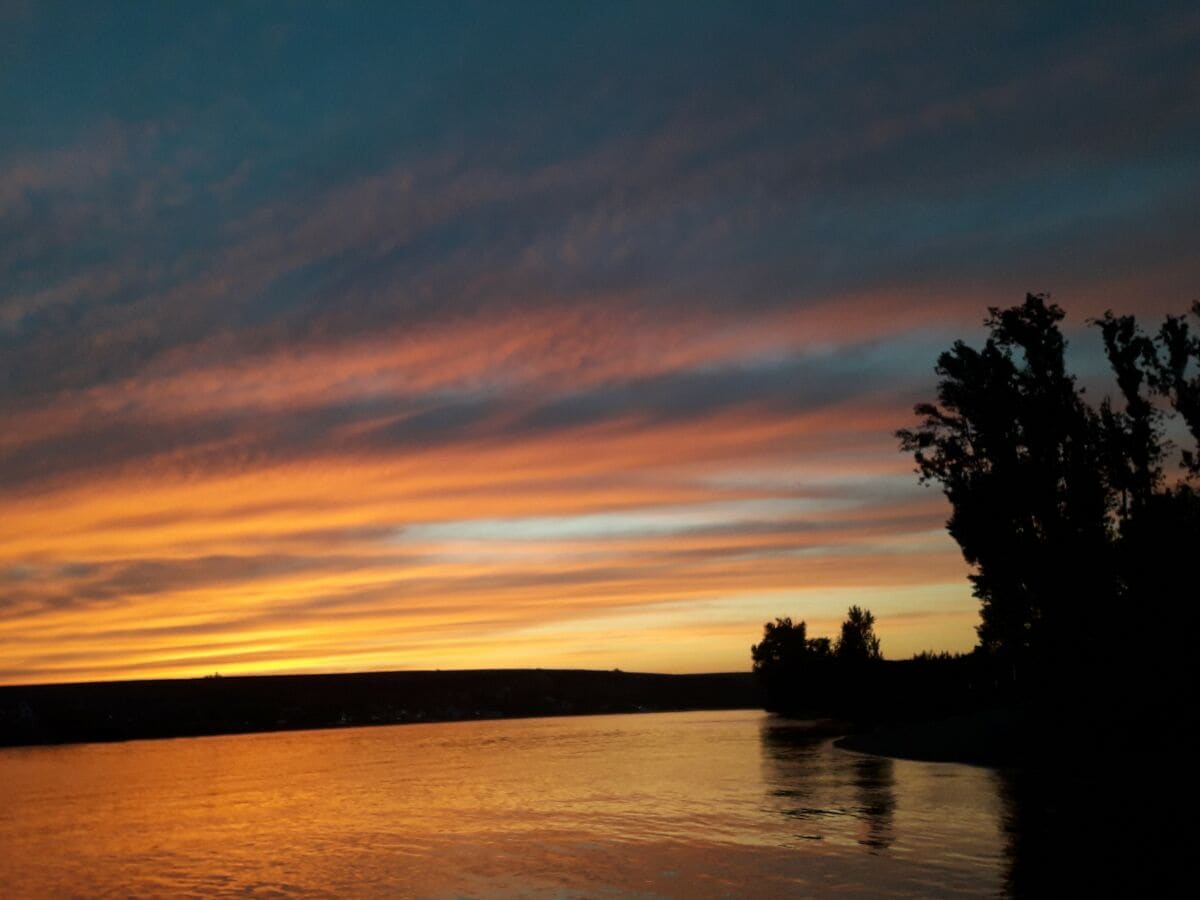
(113, 711)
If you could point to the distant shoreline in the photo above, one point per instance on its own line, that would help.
(51, 714)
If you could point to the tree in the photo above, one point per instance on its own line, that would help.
(1058, 506)
(858, 642)
(784, 662)
(782, 648)
(1158, 517)
(1181, 354)
(820, 648)
(1014, 448)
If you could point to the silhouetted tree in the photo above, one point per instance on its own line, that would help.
(858, 642)
(782, 647)
(1131, 444)
(1058, 506)
(784, 662)
(1181, 355)
(820, 648)
(1158, 517)
(1014, 447)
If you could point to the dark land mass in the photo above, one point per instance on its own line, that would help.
(128, 710)
(989, 737)
(937, 710)
(957, 709)
(940, 709)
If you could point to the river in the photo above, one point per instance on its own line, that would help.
(654, 805)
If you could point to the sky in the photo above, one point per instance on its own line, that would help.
(409, 336)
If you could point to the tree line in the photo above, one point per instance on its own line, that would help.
(1080, 521)
(802, 673)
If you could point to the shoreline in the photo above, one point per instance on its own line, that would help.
(995, 738)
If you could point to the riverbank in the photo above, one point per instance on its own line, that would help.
(117, 711)
(992, 737)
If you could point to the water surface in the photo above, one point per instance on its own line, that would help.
(670, 804)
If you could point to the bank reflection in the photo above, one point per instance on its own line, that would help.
(875, 791)
(841, 797)
(1071, 827)
(1117, 829)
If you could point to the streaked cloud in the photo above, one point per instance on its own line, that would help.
(382, 338)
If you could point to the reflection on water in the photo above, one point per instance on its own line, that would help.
(915, 828)
(1100, 828)
(673, 804)
(813, 778)
(873, 778)
(800, 759)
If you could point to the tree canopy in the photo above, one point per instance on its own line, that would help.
(858, 642)
(798, 672)
(1080, 523)
(1058, 505)
(783, 644)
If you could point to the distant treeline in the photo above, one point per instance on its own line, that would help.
(112, 711)
(849, 679)
(885, 690)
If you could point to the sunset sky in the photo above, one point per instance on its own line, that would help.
(347, 337)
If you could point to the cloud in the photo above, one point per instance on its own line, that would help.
(467, 331)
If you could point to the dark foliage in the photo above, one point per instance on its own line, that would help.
(785, 660)
(1081, 524)
(815, 676)
(1014, 447)
(1069, 514)
(858, 642)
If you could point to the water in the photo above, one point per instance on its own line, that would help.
(671, 804)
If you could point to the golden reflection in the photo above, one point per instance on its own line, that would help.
(687, 804)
